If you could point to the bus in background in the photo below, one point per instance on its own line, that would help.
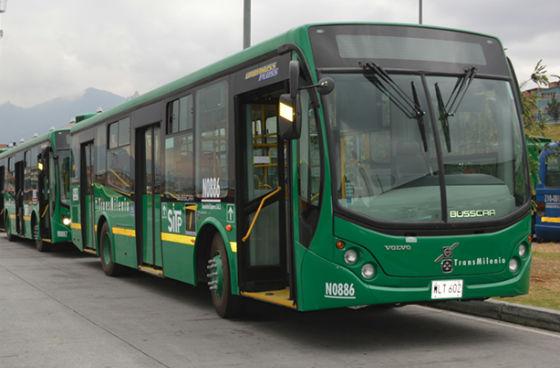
(547, 216)
(334, 165)
(36, 184)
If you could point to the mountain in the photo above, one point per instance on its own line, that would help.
(54, 113)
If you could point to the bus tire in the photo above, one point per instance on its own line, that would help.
(106, 253)
(39, 244)
(226, 304)
(11, 237)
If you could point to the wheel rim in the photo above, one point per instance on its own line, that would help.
(106, 249)
(216, 275)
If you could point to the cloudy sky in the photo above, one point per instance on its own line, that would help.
(61, 47)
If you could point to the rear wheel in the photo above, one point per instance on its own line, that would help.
(106, 253)
(226, 304)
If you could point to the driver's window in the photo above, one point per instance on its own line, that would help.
(309, 161)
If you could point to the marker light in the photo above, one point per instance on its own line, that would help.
(513, 265)
(66, 221)
(340, 244)
(368, 271)
(522, 250)
(350, 256)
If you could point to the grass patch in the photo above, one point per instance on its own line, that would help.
(552, 131)
(545, 277)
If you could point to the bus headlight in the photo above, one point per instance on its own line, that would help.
(350, 256)
(513, 265)
(522, 250)
(368, 271)
(66, 221)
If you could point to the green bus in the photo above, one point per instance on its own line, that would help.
(35, 188)
(334, 165)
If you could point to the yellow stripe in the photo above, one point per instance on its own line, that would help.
(76, 226)
(13, 217)
(233, 246)
(178, 238)
(125, 232)
(550, 219)
(26, 218)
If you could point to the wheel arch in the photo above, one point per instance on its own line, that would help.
(208, 229)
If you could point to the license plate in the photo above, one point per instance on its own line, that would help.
(447, 289)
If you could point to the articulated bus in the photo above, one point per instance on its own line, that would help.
(35, 189)
(335, 165)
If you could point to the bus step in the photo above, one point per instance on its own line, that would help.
(278, 297)
(151, 270)
(90, 251)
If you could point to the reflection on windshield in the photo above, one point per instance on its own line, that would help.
(383, 171)
(379, 148)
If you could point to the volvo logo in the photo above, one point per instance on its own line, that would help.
(445, 258)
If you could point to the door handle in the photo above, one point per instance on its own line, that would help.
(258, 212)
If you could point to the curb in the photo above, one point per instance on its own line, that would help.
(508, 312)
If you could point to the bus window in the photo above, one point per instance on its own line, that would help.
(118, 156)
(64, 163)
(552, 177)
(309, 170)
(211, 141)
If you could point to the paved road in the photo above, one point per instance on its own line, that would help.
(59, 310)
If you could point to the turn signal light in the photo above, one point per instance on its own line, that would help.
(340, 244)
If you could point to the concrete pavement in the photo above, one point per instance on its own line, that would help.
(59, 310)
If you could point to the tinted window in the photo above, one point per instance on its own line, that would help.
(179, 178)
(180, 115)
(119, 174)
(211, 141)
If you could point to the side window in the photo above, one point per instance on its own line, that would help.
(119, 175)
(211, 143)
(309, 150)
(179, 150)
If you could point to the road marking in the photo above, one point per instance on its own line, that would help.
(494, 321)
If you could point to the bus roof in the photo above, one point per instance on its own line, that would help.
(32, 142)
(296, 35)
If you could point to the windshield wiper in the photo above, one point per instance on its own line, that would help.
(410, 108)
(452, 105)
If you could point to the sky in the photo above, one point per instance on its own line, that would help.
(61, 47)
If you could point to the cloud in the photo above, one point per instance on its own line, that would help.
(61, 47)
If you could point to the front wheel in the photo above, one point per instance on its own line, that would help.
(39, 244)
(106, 253)
(11, 237)
(226, 304)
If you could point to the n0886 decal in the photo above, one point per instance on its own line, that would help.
(340, 290)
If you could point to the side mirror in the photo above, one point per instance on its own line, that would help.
(289, 121)
(325, 85)
(294, 78)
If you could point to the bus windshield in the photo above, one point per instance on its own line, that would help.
(384, 171)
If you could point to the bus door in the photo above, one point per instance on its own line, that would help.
(43, 194)
(86, 195)
(20, 180)
(263, 234)
(147, 195)
(2, 227)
